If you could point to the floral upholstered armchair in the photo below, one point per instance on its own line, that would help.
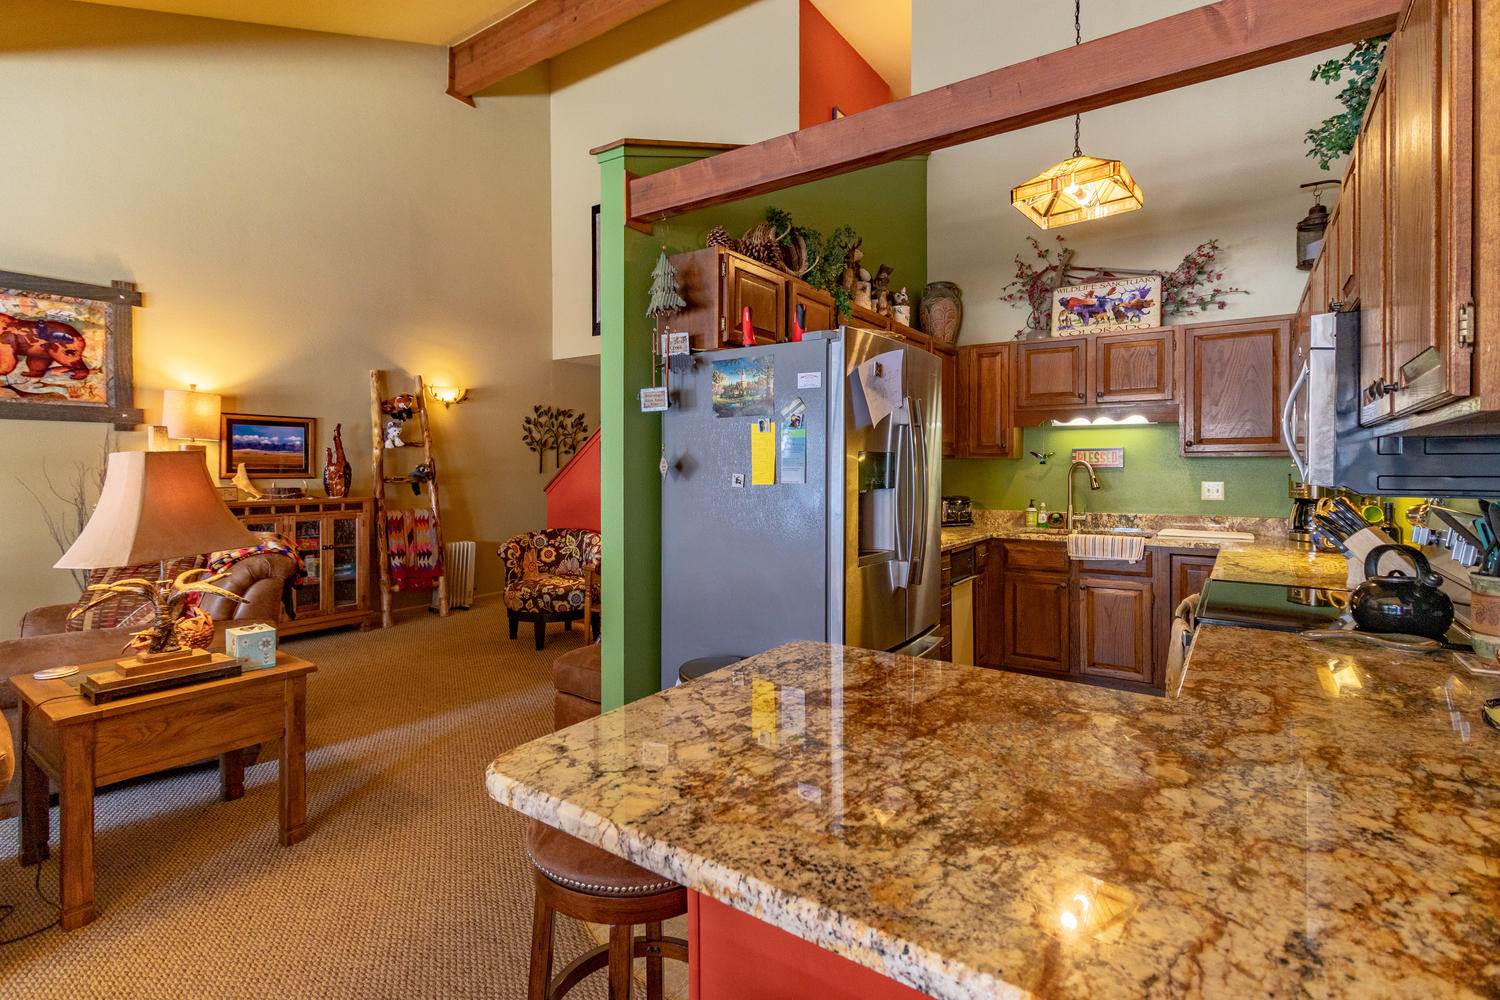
(547, 577)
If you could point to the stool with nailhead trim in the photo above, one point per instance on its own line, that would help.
(586, 883)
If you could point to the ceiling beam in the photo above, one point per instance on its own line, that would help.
(1197, 45)
(535, 33)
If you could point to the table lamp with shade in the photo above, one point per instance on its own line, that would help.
(155, 507)
(190, 415)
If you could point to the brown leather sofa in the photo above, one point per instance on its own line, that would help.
(45, 641)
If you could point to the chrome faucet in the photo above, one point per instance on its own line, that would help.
(1073, 518)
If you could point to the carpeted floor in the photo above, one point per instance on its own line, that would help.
(411, 884)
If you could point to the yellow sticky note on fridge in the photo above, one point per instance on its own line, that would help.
(763, 453)
(763, 711)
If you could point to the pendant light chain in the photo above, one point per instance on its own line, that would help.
(1077, 40)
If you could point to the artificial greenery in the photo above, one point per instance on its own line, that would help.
(830, 254)
(1335, 135)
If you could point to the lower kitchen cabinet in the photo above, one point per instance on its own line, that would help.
(1035, 622)
(1115, 628)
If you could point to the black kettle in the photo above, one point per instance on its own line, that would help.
(1400, 603)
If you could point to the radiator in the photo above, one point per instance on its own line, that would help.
(458, 564)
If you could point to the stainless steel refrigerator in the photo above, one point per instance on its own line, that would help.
(843, 545)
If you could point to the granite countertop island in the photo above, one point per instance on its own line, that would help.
(1302, 819)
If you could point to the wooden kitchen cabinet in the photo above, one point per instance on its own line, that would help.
(1135, 367)
(1035, 621)
(718, 285)
(822, 314)
(985, 425)
(1051, 374)
(1115, 628)
(867, 319)
(1189, 573)
(948, 359)
(1373, 237)
(1235, 379)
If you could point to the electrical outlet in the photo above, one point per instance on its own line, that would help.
(1212, 491)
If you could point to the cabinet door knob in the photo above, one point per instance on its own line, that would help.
(1189, 442)
(1080, 395)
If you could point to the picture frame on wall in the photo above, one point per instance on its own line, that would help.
(595, 258)
(65, 350)
(271, 447)
(1109, 305)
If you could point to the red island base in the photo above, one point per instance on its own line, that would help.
(733, 956)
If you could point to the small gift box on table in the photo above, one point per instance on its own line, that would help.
(253, 645)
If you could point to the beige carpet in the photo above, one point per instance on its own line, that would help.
(411, 883)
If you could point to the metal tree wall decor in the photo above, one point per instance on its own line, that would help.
(553, 428)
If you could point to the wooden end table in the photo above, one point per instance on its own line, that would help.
(82, 746)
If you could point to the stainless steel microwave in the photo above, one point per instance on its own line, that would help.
(1338, 451)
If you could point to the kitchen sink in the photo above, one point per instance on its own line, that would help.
(1142, 532)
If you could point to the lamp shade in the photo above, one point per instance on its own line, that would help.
(155, 505)
(190, 414)
(1077, 190)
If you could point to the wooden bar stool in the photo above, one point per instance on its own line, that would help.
(585, 883)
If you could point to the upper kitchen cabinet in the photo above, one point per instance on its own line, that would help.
(985, 425)
(1407, 257)
(1234, 383)
(1052, 374)
(821, 312)
(1135, 367)
(948, 358)
(867, 319)
(718, 286)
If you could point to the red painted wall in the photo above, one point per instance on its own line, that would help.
(573, 494)
(833, 74)
(733, 956)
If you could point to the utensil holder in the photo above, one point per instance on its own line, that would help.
(1358, 545)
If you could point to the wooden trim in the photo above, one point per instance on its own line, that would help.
(1205, 43)
(706, 147)
(630, 221)
(537, 32)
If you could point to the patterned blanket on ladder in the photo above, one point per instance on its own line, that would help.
(411, 543)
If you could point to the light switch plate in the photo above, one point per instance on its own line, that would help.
(1212, 491)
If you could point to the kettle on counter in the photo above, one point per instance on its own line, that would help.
(1412, 605)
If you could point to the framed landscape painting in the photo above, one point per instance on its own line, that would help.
(1102, 306)
(65, 350)
(270, 447)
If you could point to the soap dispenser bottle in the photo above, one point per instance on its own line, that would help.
(1031, 513)
(1041, 514)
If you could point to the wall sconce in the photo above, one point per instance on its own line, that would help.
(447, 394)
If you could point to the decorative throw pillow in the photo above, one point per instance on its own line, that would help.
(115, 611)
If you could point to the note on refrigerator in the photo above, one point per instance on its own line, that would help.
(763, 453)
(877, 388)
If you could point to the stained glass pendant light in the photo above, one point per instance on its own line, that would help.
(1079, 188)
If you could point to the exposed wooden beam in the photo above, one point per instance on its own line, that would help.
(537, 32)
(1197, 45)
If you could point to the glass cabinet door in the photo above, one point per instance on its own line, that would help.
(268, 525)
(346, 567)
(307, 534)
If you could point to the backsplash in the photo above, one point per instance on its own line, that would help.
(1264, 527)
(1156, 478)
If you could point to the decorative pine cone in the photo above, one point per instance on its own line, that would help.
(718, 236)
(761, 244)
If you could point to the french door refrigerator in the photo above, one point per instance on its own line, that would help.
(769, 536)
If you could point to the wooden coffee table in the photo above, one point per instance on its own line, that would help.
(82, 746)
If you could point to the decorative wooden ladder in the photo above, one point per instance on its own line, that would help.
(381, 480)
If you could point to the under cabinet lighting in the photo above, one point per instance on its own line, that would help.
(1134, 420)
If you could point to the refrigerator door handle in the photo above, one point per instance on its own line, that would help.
(920, 485)
(902, 484)
(1289, 420)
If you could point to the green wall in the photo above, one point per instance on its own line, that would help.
(1156, 478)
(887, 205)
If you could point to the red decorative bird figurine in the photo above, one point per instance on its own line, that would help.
(799, 318)
(747, 329)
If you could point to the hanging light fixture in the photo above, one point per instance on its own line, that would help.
(1079, 188)
(1312, 227)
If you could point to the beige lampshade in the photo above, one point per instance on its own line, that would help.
(155, 505)
(190, 414)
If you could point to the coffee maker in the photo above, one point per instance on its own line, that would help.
(1301, 529)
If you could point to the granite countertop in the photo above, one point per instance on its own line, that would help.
(1302, 819)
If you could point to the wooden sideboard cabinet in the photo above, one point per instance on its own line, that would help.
(333, 542)
(1235, 380)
